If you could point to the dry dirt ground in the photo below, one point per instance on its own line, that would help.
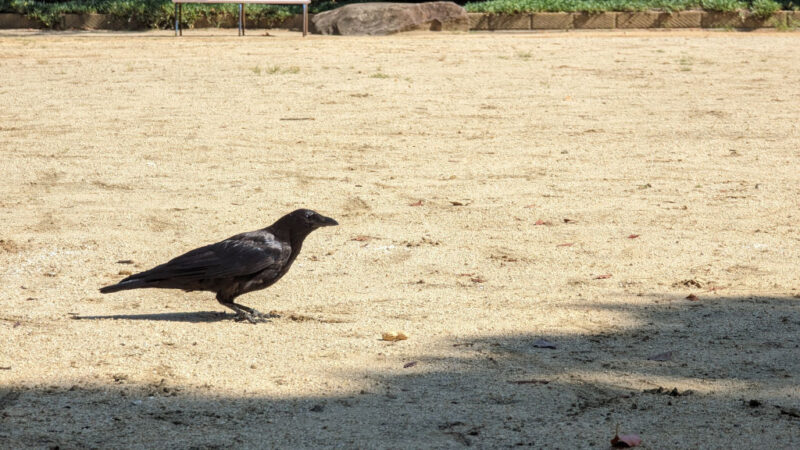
(490, 188)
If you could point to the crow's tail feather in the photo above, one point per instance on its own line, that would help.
(123, 285)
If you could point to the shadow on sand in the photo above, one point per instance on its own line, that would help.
(191, 317)
(735, 363)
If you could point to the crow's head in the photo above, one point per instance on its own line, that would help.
(310, 220)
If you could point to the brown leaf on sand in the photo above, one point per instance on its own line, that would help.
(665, 356)
(603, 277)
(542, 222)
(633, 236)
(456, 203)
(566, 244)
(361, 238)
(392, 337)
(566, 220)
(692, 298)
(409, 364)
(417, 203)
(478, 279)
(625, 440)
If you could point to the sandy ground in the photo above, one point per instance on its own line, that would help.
(536, 157)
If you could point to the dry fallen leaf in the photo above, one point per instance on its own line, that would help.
(124, 272)
(568, 220)
(633, 236)
(417, 203)
(361, 238)
(625, 440)
(692, 298)
(541, 222)
(478, 279)
(456, 203)
(603, 277)
(409, 364)
(566, 244)
(392, 337)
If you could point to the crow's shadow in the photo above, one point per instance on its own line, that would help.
(192, 317)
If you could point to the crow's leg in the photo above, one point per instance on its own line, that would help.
(243, 312)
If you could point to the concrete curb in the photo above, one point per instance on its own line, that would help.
(12, 20)
(96, 22)
(629, 20)
(477, 21)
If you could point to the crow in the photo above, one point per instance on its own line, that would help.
(243, 263)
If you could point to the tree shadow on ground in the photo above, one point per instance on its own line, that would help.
(731, 381)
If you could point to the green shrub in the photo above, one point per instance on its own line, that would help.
(723, 5)
(146, 13)
(764, 8)
(160, 13)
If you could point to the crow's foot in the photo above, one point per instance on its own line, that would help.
(256, 317)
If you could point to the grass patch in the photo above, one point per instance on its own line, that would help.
(523, 55)
(275, 70)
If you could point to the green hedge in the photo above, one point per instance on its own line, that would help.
(160, 13)
(146, 13)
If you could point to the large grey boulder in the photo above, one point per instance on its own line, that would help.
(388, 18)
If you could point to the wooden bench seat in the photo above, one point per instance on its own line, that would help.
(179, 11)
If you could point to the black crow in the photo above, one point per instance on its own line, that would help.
(240, 264)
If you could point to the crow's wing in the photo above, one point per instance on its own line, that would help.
(239, 255)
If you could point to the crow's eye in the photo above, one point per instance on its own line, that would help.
(309, 214)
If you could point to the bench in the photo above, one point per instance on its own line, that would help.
(179, 11)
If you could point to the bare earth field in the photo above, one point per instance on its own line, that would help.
(538, 160)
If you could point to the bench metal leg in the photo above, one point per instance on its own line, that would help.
(241, 19)
(305, 19)
(176, 19)
(180, 19)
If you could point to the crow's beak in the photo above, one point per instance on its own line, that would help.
(326, 222)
